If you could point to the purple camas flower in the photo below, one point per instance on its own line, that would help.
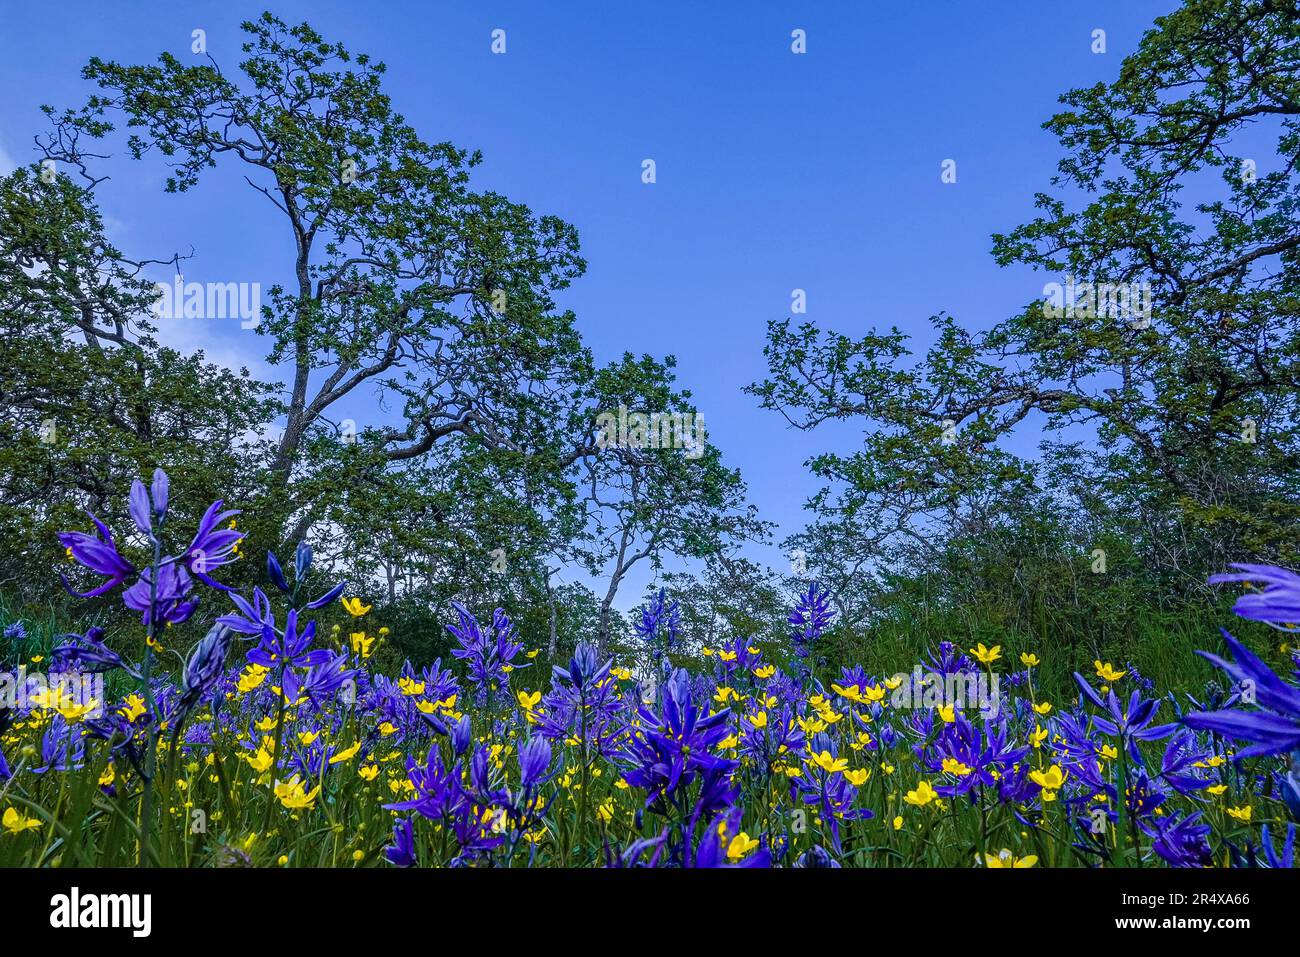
(62, 747)
(1272, 730)
(1275, 727)
(1288, 783)
(816, 857)
(1131, 722)
(462, 735)
(718, 848)
(99, 554)
(583, 702)
(321, 681)
(214, 544)
(1277, 605)
(442, 795)
(204, 668)
(301, 565)
(253, 617)
(767, 740)
(1284, 859)
(534, 763)
(1182, 842)
(666, 754)
(169, 603)
(401, 853)
(659, 625)
(291, 647)
(810, 618)
(89, 653)
(585, 670)
(161, 595)
(984, 750)
(490, 657)
(949, 660)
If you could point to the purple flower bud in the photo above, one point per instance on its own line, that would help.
(276, 572)
(302, 560)
(534, 762)
(138, 507)
(160, 490)
(461, 734)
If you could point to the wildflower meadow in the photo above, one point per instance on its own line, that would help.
(271, 742)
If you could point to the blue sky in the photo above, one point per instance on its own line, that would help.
(775, 171)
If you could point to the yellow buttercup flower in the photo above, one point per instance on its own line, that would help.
(740, 845)
(347, 754)
(354, 607)
(1029, 660)
(1106, 671)
(1043, 707)
(529, 701)
(1005, 858)
(1242, 814)
(60, 700)
(73, 711)
(15, 823)
(827, 763)
(953, 766)
(851, 692)
(262, 759)
(132, 707)
(986, 656)
(249, 679)
(294, 796)
(921, 796)
(1050, 781)
(857, 777)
